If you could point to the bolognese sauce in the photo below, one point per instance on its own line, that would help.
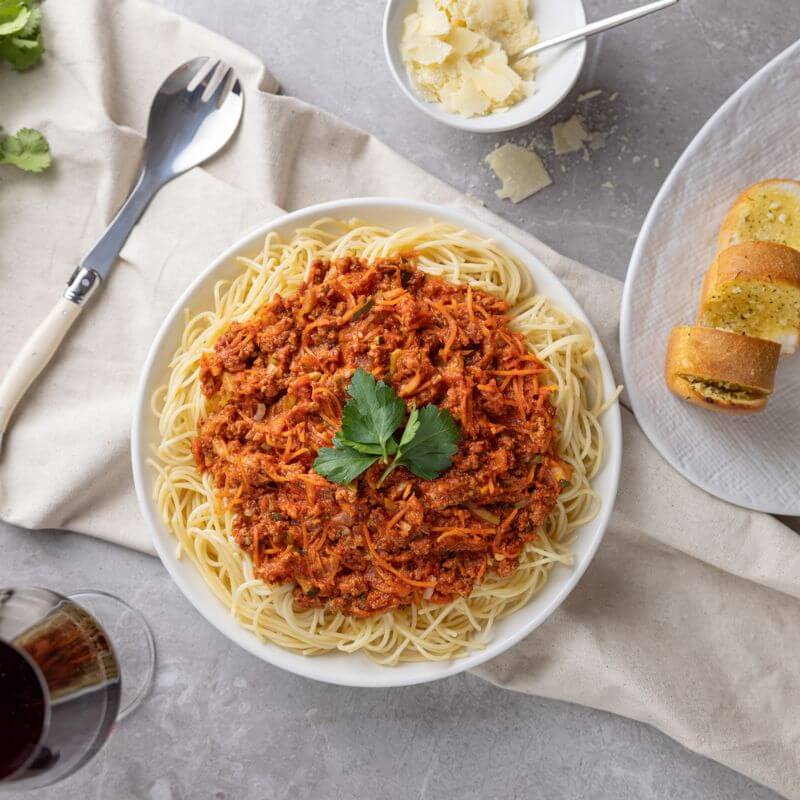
(276, 386)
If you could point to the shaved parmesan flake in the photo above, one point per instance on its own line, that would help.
(468, 99)
(521, 171)
(429, 50)
(495, 78)
(456, 52)
(465, 41)
(569, 136)
(505, 21)
(435, 24)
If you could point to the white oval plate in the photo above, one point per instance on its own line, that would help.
(750, 461)
(556, 74)
(341, 668)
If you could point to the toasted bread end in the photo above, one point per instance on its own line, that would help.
(720, 370)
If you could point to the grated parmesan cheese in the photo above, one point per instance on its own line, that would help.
(456, 52)
(522, 172)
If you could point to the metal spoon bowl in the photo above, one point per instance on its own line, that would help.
(192, 117)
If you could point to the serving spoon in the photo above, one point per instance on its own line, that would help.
(193, 115)
(592, 28)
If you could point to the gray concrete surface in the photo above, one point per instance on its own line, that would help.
(222, 725)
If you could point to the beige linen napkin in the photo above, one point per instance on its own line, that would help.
(686, 619)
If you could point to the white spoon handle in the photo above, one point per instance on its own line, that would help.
(34, 357)
(593, 28)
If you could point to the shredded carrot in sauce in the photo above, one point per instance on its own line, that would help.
(277, 386)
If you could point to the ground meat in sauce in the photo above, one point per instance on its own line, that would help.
(276, 386)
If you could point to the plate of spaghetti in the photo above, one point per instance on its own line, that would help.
(376, 442)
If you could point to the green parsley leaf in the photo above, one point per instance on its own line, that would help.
(412, 426)
(28, 150)
(428, 445)
(342, 464)
(370, 449)
(370, 418)
(372, 415)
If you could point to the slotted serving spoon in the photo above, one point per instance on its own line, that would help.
(193, 115)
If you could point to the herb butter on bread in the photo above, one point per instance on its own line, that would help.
(769, 211)
(721, 370)
(754, 289)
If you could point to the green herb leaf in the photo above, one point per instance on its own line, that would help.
(370, 449)
(428, 445)
(365, 309)
(34, 21)
(412, 426)
(28, 150)
(373, 414)
(342, 464)
(428, 448)
(14, 16)
(21, 42)
(22, 54)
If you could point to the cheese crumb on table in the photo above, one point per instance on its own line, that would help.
(582, 98)
(569, 136)
(522, 172)
(456, 52)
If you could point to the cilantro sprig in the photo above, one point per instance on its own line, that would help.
(28, 150)
(370, 420)
(21, 42)
(22, 46)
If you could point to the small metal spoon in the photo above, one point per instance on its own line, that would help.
(592, 29)
(193, 115)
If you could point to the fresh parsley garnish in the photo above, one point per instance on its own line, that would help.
(371, 416)
(28, 150)
(428, 445)
(369, 422)
(342, 464)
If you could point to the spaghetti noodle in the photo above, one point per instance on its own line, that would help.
(424, 626)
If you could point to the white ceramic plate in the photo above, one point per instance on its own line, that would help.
(357, 670)
(557, 72)
(750, 461)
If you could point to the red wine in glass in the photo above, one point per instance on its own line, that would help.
(61, 681)
(22, 711)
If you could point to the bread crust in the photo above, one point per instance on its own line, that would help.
(718, 356)
(732, 220)
(756, 261)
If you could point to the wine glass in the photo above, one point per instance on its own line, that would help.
(63, 683)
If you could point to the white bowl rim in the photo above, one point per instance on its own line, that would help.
(404, 674)
(491, 123)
